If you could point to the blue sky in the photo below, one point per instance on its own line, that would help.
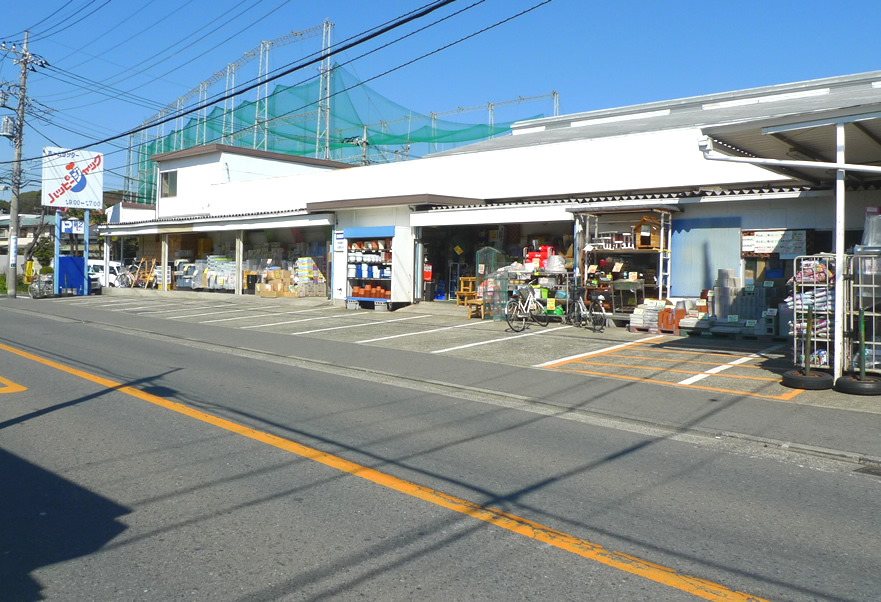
(595, 55)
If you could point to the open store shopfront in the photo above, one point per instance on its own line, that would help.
(232, 253)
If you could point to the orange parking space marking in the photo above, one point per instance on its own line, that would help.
(784, 397)
(10, 387)
(650, 347)
(677, 370)
(661, 359)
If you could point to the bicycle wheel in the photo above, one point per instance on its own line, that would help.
(515, 315)
(124, 280)
(576, 313)
(34, 290)
(596, 316)
(537, 313)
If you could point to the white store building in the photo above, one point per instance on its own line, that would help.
(770, 159)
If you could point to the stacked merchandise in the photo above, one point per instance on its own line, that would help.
(725, 294)
(645, 316)
(276, 283)
(310, 281)
(697, 316)
(220, 273)
(752, 304)
(820, 300)
(539, 258)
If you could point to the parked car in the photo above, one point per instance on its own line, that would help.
(96, 271)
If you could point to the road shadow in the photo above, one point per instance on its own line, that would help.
(45, 519)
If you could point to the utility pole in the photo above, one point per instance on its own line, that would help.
(23, 60)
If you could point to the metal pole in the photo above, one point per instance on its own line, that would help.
(838, 365)
(56, 279)
(862, 344)
(12, 272)
(87, 284)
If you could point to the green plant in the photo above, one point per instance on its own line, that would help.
(20, 286)
(46, 269)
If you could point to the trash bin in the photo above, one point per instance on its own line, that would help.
(428, 291)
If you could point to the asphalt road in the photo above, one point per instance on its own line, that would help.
(146, 458)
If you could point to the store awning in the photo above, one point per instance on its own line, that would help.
(833, 148)
(609, 208)
(183, 225)
(392, 201)
(799, 140)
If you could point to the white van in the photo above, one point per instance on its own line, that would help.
(96, 269)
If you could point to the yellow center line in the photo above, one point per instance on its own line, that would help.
(10, 387)
(516, 524)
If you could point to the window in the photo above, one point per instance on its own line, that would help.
(168, 184)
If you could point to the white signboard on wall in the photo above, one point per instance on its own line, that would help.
(73, 179)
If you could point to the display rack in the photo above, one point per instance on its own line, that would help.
(369, 271)
(813, 295)
(864, 294)
(642, 238)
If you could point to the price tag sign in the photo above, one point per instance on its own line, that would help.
(734, 318)
(592, 269)
(552, 304)
(751, 323)
(772, 312)
(749, 288)
(769, 284)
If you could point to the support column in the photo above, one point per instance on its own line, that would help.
(838, 341)
(240, 249)
(87, 282)
(56, 279)
(164, 273)
(107, 260)
(578, 242)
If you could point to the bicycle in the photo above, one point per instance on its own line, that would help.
(592, 315)
(524, 306)
(41, 286)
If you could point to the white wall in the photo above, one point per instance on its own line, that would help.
(227, 183)
(666, 159)
(241, 168)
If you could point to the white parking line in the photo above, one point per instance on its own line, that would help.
(288, 322)
(278, 313)
(528, 334)
(359, 325)
(717, 369)
(118, 303)
(411, 334)
(210, 313)
(597, 352)
(185, 308)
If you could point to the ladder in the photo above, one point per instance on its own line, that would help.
(664, 258)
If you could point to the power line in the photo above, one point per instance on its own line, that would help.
(411, 17)
(45, 34)
(114, 80)
(34, 26)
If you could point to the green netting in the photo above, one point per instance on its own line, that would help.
(287, 122)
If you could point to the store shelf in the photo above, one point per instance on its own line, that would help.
(366, 259)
